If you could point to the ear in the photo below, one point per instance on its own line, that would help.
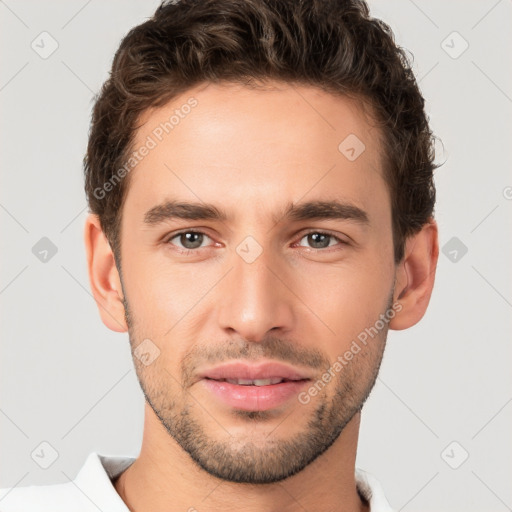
(415, 276)
(103, 276)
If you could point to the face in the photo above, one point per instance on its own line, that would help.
(285, 259)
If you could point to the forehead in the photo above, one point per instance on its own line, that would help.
(248, 147)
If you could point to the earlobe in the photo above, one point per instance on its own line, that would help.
(415, 276)
(103, 276)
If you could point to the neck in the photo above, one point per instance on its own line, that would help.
(165, 478)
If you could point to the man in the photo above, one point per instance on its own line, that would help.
(259, 175)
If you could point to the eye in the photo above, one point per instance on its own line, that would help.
(321, 239)
(189, 240)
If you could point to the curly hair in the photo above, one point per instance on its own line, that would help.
(333, 45)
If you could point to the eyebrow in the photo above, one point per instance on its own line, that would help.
(311, 210)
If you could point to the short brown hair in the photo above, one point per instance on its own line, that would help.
(330, 44)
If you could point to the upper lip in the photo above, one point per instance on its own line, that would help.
(267, 370)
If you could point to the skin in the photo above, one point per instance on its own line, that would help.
(251, 152)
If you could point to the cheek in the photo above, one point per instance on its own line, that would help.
(161, 292)
(347, 298)
(171, 288)
(149, 291)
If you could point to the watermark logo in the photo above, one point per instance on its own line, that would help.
(249, 249)
(44, 45)
(44, 250)
(454, 249)
(454, 45)
(455, 455)
(146, 352)
(44, 455)
(351, 147)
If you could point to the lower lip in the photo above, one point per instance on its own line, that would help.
(254, 398)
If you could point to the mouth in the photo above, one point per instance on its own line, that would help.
(257, 382)
(254, 387)
(255, 374)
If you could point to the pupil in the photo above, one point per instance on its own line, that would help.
(315, 236)
(186, 238)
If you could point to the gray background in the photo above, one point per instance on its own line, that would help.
(444, 389)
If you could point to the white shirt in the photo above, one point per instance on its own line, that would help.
(92, 490)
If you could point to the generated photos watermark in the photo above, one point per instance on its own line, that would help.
(343, 360)
(151, 142)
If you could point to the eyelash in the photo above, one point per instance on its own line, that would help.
(188, 251)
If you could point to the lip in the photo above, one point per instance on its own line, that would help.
(251, 397)
(254, 398)
(265, 370)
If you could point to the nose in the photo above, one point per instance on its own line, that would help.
(255, 298)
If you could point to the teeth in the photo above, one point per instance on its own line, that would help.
(267, 382)
(255, 382)
(242, 382)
